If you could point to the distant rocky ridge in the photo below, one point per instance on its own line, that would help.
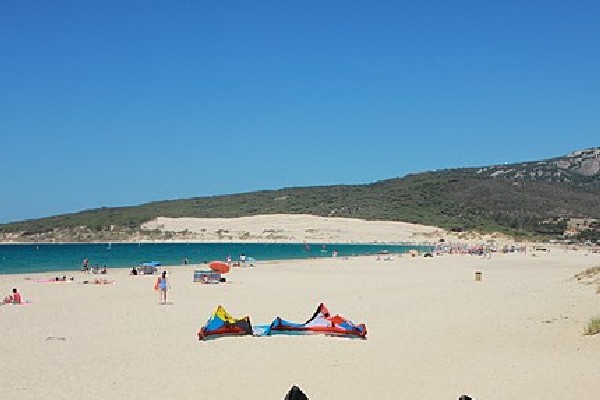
(582, 167)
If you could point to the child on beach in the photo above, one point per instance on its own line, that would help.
(84, 267)
(161, 285)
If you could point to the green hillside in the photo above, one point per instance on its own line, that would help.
(534, 198)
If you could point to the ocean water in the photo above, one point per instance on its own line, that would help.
(28, 258)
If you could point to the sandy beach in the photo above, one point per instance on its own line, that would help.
(433, 332)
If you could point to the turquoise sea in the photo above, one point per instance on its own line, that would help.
(28, 258)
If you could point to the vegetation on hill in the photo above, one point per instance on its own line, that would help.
(535, 198)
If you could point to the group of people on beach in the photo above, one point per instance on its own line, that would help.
(98, 281)
(85, 268)
(241, 262)
(482, 250)
(63, 279)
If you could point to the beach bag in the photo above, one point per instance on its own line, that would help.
(157, 284)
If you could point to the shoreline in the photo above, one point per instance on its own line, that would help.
(129, 256)
(53, 257)
(267, 262)
(357, 243)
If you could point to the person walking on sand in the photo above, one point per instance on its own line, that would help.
(163, 284)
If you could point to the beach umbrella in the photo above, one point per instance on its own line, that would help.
(219, 266)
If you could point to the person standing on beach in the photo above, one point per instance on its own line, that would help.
(84, 267)
(163, 284)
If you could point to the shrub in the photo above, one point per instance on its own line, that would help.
(593, 327)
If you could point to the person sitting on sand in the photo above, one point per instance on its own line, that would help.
(97, 281)
(14, 298)
(104, 271)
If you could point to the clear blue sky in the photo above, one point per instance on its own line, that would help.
(108, 103)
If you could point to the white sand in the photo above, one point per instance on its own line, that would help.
(433, 332)
(300, 228)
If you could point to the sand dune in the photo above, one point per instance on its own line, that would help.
(301, 228)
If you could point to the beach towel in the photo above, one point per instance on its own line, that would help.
(23, 303)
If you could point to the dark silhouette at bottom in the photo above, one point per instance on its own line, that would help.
(295, 394)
